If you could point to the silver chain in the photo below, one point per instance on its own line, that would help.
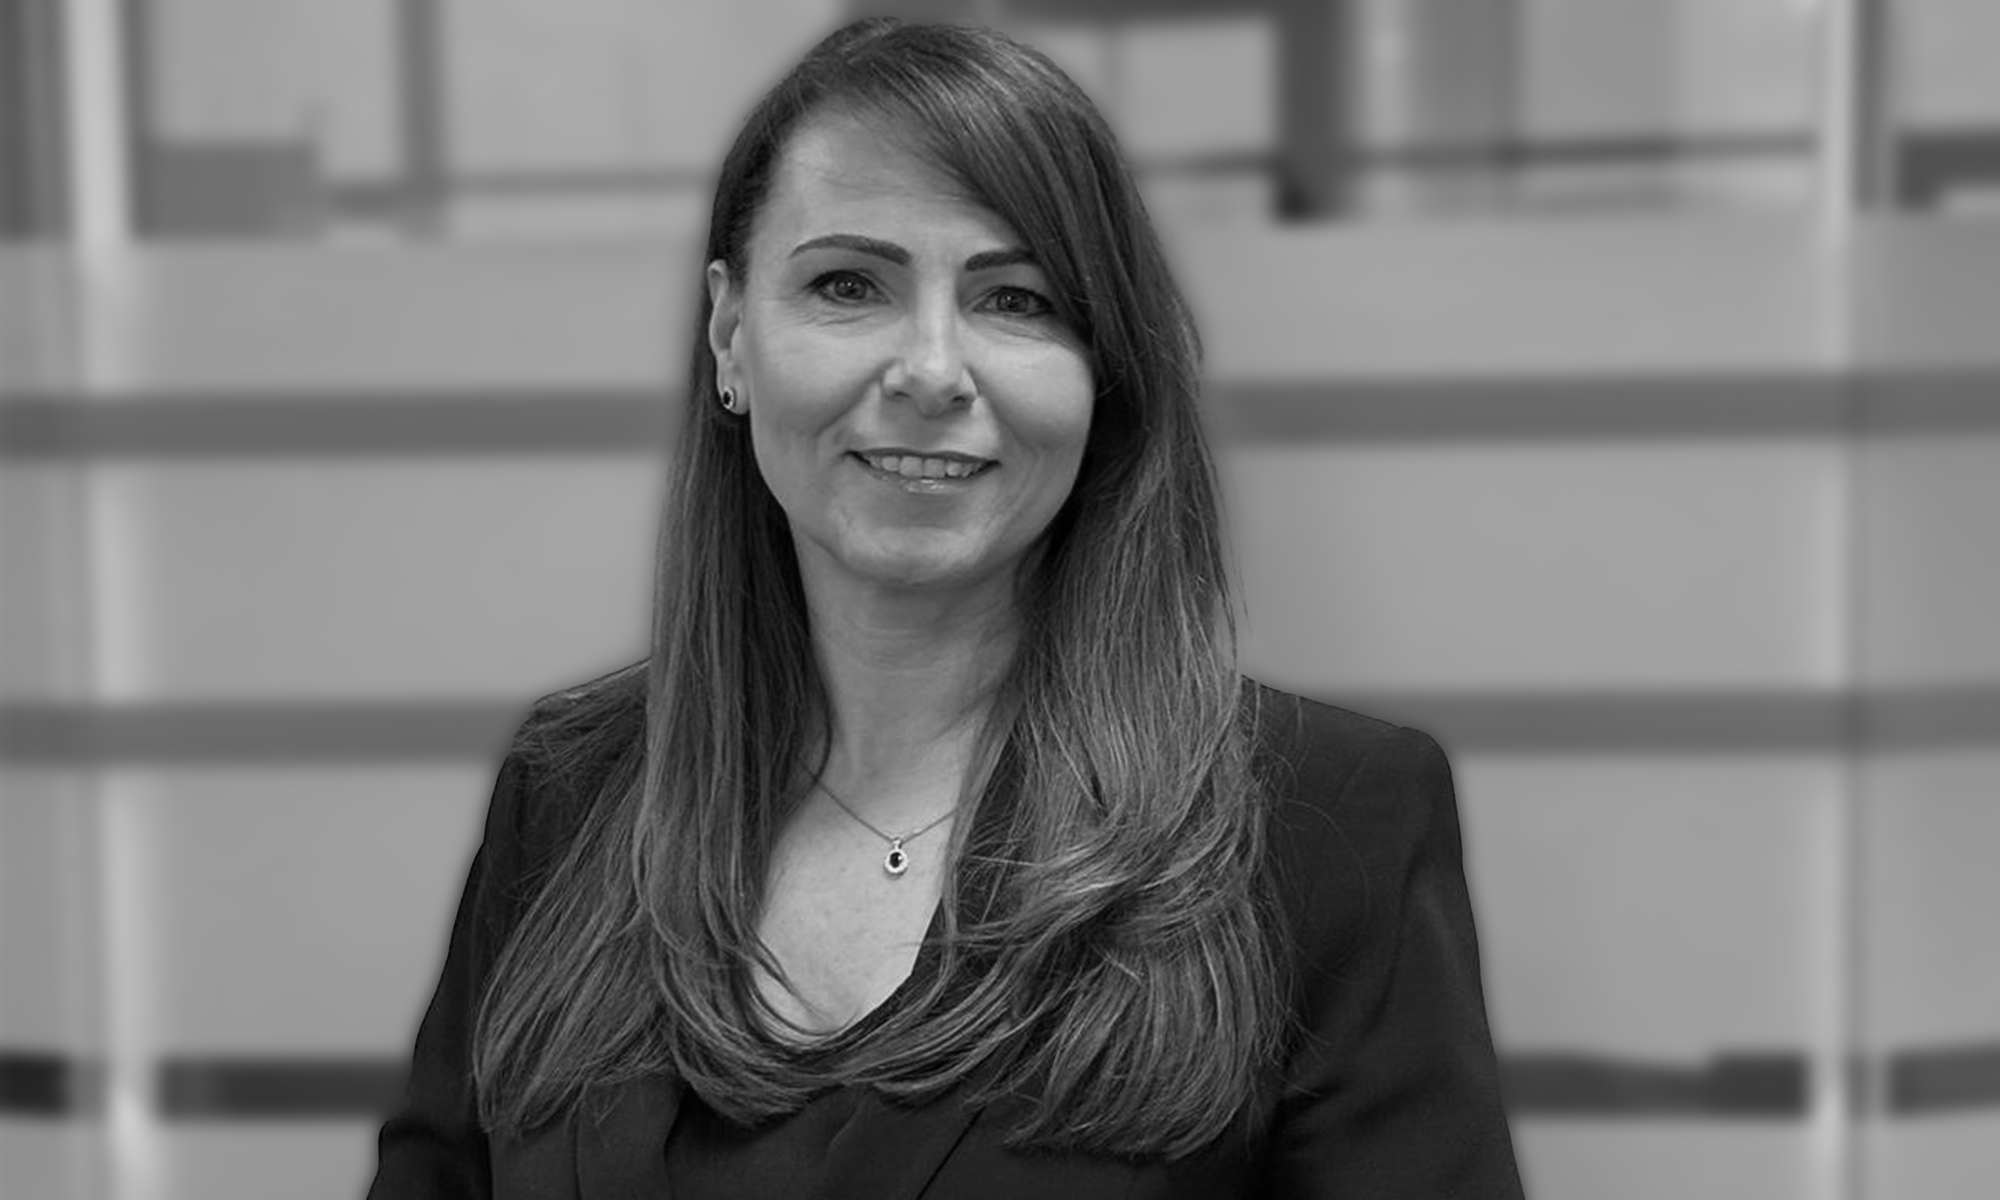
(897, 860)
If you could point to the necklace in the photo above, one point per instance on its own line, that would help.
(897, 860)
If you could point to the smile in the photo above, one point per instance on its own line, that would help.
(925, 467)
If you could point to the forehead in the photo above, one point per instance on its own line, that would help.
(836, 174)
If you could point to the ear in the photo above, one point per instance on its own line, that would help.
(725, 320)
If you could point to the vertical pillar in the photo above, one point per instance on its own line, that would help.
(1435, 110)
(1857, 134)
(52, 1136)
(32, 193)
(1315, 106)
(1875, 178)
(421, 29)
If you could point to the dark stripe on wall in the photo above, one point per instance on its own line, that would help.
(1582, 1085)
(638, 421)
(1929, 401)
(1771, 1085)
(254, 732)
(1933, 719)
(1485, 409)
(1944, 1080)
(372, 426)
(251, 733)
(39, 1084)
(1619, 150)
(1533, 1085)
(35, 1085)
(402, 196)
(1933, 164)
(1677, 722)
(1676, 405)
(1068, 10)
(1936, 718)
(263, 1088)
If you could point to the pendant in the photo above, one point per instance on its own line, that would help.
(896, 861)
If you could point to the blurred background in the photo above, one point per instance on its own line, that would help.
(1611, 387)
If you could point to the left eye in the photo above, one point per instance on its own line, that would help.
(1018, 302)
(844, 287)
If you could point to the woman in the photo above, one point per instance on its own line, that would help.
(938, 849)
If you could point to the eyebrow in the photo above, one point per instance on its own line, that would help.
(985, 260)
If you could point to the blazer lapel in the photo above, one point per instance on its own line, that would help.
(621, 1139)
(540, 1166)
(887, 1151)
(890, 1152)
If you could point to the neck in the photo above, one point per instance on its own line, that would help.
(910, 678)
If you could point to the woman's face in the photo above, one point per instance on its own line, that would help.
(914, 403)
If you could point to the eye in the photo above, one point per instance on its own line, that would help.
(845, 287)
(1019, 302)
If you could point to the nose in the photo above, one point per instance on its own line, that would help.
(929, 368)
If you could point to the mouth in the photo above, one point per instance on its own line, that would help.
(937, 467)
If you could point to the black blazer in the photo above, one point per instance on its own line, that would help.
(1389, 1086)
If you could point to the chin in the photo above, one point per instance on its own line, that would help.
(930, 567)
(920, 576)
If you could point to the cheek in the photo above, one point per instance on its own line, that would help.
(1058, 417)
(781, 443)
(791, 400)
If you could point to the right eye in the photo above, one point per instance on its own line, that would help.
(845, 287)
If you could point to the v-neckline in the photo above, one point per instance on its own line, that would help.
(922, 968)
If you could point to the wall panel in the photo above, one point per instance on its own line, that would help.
(377, 579)
(1929, 778)
(48, 912)
(1634, 565)
(61, 1160)
(1664, 907)
(346, 320)
(1585, 298)
(1667, 1160)
(1932, 581)
(355, 871)
(258, 1160)
(44, 626)
(52, 969)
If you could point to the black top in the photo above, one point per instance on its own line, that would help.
(1388, 1088)
(710, 1157)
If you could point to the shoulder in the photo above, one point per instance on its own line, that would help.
(1310, 756)
(1317, 736)
(1355, 806)
(1389, 1083)
(574, 747)
(611, 706)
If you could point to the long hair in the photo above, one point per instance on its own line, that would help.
(1106, 951)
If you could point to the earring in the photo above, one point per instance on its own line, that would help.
(729, 400)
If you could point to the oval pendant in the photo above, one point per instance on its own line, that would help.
(896, 862)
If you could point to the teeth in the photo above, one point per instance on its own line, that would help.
(912, 466)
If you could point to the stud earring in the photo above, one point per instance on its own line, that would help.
(729, 400)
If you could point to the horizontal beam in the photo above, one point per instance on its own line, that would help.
(251, 732)
(500, 422)
(1761, 1085)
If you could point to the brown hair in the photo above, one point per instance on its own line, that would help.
(1106, 947)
